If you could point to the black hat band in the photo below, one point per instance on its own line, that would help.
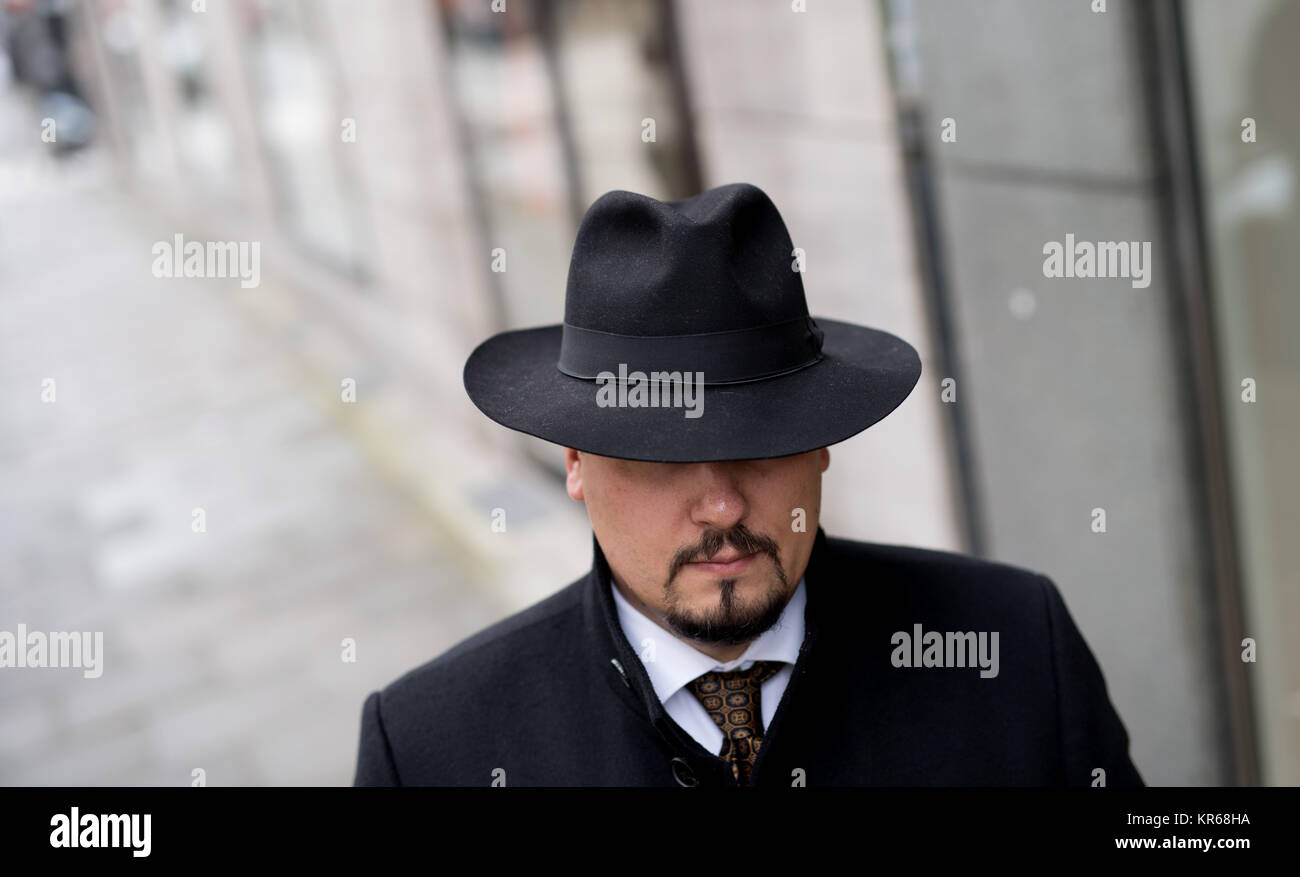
(731, 357)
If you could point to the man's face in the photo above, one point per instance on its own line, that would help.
(709, 550)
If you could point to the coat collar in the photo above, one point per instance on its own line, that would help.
(622, 669)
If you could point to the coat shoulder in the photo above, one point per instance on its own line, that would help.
(869, 573)
(434, 724)
(926, 565)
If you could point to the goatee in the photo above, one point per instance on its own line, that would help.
(731, 623)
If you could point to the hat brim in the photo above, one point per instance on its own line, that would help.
(864, 375)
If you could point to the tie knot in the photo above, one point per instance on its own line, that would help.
(721, 683)
(733, 701)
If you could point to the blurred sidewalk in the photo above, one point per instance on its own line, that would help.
(222, 648)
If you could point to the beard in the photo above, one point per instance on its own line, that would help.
(730, 623)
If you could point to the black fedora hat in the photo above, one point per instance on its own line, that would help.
(686, 338)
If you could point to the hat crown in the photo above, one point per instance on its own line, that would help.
(719, 261)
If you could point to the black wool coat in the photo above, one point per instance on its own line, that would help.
(555, 695)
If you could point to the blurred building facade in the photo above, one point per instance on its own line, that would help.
(416, 174)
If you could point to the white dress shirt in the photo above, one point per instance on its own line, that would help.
(671, 663)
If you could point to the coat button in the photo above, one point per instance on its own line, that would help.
(683, 774)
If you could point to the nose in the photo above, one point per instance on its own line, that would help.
(719, 500)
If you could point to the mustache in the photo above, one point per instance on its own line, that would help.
(739, 537)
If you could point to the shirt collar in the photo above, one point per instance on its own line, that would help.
(671, 663)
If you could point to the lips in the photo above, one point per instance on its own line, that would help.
(725, 563)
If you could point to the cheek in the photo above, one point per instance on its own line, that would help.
(617, 501)
(782, 496)
(790, 491)
(631, 513)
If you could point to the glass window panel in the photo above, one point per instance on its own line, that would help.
(1244, 68)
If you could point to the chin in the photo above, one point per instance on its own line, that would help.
(708, 594)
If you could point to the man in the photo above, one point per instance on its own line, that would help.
(721, 638)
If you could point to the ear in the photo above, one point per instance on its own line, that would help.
(573, 474)
(825, 458)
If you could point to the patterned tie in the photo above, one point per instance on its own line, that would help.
(732, 699)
